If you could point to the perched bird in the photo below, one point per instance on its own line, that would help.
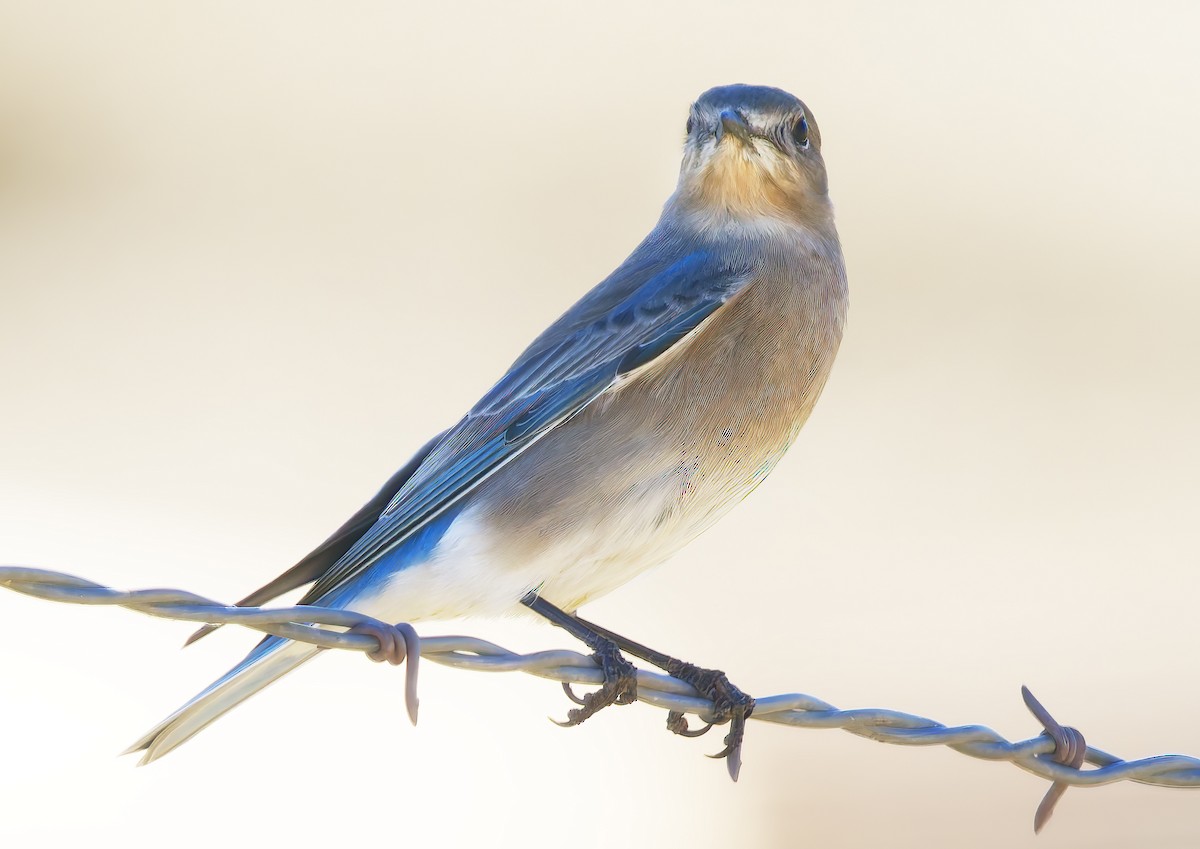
(635, 421)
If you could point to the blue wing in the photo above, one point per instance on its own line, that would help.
(634, 316)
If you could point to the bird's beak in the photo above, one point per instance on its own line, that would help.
(733, 124)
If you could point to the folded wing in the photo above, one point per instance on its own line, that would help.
(627, 322)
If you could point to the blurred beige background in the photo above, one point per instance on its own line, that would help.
(253, 254)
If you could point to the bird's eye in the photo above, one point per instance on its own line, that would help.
(800, 133)
(690, 124)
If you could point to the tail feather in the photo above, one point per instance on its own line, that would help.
(271, 660)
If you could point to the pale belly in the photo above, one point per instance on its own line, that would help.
(569, 555)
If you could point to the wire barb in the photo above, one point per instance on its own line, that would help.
(1069, 749)
(1057, 754)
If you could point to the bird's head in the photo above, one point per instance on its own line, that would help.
(753, 154)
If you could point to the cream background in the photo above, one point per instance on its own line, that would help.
(253, 254)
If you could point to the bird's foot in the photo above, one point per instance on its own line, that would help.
(619, 687)
(397, 643)
(729, 705)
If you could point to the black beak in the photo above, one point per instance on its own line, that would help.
(733, 124)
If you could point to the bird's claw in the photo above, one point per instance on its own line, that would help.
(571, 693)
(397, 643)
(619, 687)
(733, 740)
(677, 724)
(729, 705)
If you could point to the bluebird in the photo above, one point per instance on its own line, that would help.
(635, 421)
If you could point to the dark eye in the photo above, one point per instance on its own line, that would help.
(800, 132)
(689, 125)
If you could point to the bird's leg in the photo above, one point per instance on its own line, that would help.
(729, 703)
(620, 676)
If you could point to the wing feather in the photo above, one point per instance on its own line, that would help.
(635, 316)
(320, 559)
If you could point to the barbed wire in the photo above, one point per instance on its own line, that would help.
(1057, 754)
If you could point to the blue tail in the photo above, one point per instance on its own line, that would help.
(270, 660)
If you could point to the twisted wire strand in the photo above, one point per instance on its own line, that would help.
(1039, 755)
